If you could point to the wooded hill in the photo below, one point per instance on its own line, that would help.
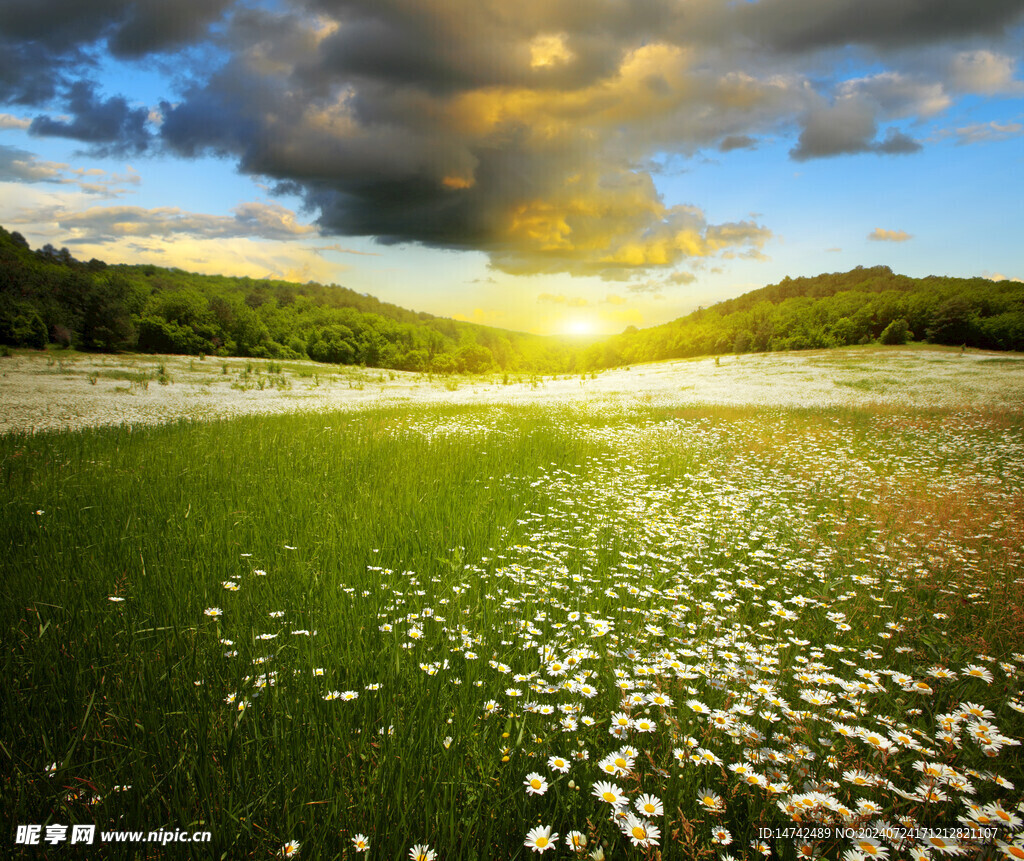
(48, 297)
(856, 307)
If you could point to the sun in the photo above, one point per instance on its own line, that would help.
(579, 327)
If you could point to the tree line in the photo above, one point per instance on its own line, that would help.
(49, 297)
(862, 306)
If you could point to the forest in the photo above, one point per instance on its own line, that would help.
(862, 306)
(47, 297)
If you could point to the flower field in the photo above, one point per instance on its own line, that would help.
(506, 630)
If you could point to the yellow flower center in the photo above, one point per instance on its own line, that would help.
(542, 842)
(648, 808)
(535, 783)
(639, 832)
(609, 797)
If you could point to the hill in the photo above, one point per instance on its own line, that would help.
(834, 310)
(46, 296)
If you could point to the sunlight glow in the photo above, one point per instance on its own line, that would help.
(579, 327)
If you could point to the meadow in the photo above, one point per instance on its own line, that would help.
(574, 626)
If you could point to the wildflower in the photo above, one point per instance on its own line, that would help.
(213, 612)
(576, 841)
(943, 845)
(1011, 850)
(644, 725)
(871, 848)
(361, 842)
(535, 784)
(540, 839)
(649, 805)
(722, 836)
(609, 792)
(621, 719)
(116, 599)
(290, 849)
(974, 710)
(710, 800)
(422, 852)
(556, 763)
(640, 831)
(978, 673)
(348, 696)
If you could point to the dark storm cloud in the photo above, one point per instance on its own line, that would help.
(809, 25)
(110, 125)
(46, 43)
(846, 128)
(521, 130)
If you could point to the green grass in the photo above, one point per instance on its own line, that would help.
(441, 552)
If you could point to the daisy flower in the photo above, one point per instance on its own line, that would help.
(535, 784)
(361, 842)
(576, 841)
(622, 720)
(722, 836)
(644, 725)
(978, 673)
(422, 852)
(1011, 850)
(556, 763)
(540, 839)
(609, 792)
(710, 800)
(870, 848)
(290, 849)
(213, 611)
(640, 831)
(649, 805)
(942, 845)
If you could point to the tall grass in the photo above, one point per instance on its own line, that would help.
(422, 559)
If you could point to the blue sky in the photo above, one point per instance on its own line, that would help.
(545, 170)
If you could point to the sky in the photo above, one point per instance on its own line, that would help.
(552, 166)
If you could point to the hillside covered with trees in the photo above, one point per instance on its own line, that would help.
(834, 310)
(48, 297)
